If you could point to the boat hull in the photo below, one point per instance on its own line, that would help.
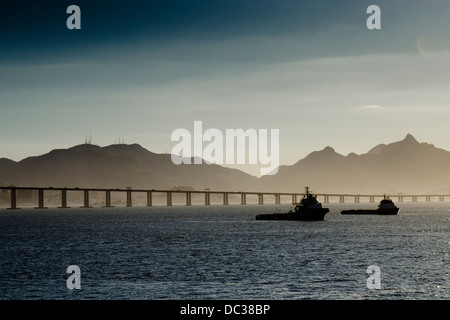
(309, 215)
(390, 211)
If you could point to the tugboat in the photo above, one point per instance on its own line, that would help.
(309, 209)
(386, 207)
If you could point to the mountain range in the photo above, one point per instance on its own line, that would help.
(405, 166)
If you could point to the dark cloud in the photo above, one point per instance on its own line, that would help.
(36, 30)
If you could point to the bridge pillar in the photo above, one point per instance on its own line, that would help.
(169, 198)
(441, 198)
(129, 201)
(86, 199)
(207, 199)
(149, 199)
(13, 199)
(428, 198)
(277, 199)
(341, 199)
(294, 198)
(326, 199)
(188, 199)
(40, 199)
(243, 198)
(371, 199)
(356, 199)
(414, 198)
(108, 199)
(225, 198)
(400, 198)
(63, 199)
(260, 198)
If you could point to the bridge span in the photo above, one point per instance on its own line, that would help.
(40, 195)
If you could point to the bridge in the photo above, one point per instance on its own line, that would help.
(38, 194)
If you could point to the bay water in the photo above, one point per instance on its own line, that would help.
(222, 252)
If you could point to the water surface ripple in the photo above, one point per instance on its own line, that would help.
(222, 252)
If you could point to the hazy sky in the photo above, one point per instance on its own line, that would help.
(141, 69)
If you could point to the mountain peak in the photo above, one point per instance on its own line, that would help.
(325, 155)
(410, 138)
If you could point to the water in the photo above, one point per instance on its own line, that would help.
(222, 252)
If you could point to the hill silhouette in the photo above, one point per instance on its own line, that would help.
(405, 166)
(116, 166)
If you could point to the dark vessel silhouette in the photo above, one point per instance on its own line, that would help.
(386, 207)
(309, 209)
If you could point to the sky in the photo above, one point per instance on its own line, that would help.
(138, 70)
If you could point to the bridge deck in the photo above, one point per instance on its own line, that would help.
(242, 196)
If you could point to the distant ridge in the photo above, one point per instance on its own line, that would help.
(377, 149)
(405, 166)
(116, 166)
